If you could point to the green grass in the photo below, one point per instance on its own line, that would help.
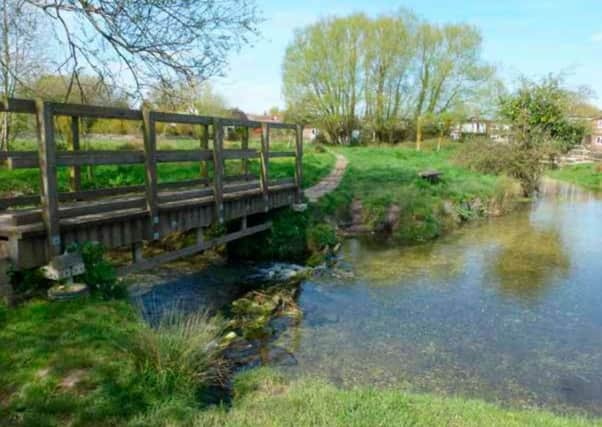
(96, 363)
(381, 176)
(266, 399)
(587, 175)
(87, 363)
(27, 181)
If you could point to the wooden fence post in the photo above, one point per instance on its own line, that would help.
(245, 146)
(299, 163)
(73, 139)
(265, 164)
(218, 169)
(150, 160)
(204, 146)
(49, 192)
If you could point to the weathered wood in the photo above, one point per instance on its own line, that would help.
(165, 156)
(276, 154)
(81, 110)
(181, 118)
(278, 125)
(6, 289)
(76, 174)
(49, 191)
(150, 150)
(16, 105)
(218, 169)
(137, 255)
(299, 163)
(265, 162)
(25, 160)
(431, 175)
(149, 263)
(245, 146)
(204, 170)
(233, 154)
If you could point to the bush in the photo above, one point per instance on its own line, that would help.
(319, 236)
(182, 354)
(100, 274)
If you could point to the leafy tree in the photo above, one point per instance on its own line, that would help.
(322, 74)
(449, 68)
(544, 107)
(389, 53)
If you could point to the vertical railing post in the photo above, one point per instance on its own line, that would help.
(265, 163)
(299, 163)
(204, 146)
(218, 169)
(49, 191)
(245, 146)
(73, 139)
(150, 177)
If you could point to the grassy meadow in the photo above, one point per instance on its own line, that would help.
(27, 181)
(382, 176)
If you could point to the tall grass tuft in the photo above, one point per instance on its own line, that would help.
(182, 354)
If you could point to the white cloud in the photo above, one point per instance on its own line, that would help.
(597, 37)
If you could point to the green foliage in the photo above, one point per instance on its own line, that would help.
(320, 236)
(182, 354)
(100, 274)
(588, 175)
(378, 74)
(543, 108)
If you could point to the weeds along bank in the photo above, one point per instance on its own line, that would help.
(383, 196)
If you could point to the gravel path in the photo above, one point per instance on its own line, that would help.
(330, 183)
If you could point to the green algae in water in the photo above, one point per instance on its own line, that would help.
(508, 310)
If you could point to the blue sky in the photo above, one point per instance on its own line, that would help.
(530, 37)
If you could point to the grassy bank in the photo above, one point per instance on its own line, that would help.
(27, 181)
(385, 176)
(79, 364)
(587, 175)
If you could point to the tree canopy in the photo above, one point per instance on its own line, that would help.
(387, 72)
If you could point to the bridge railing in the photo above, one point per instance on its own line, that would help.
(153, 193)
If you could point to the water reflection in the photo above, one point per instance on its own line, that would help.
(507, 310)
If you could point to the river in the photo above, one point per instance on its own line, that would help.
(508, 310)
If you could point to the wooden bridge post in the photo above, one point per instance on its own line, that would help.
(265, 164)
(245, 146)
(150, 161)
(48, 190)
(299, 163)
(218, 169)
(73, 141)
(205, 146)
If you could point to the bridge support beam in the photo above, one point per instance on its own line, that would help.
(137, 255)
(6, 289)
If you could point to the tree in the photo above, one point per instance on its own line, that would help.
(545, 107)
(323, 77)
(449, 68)
(389, 49)
(143, 41)
(19, 62)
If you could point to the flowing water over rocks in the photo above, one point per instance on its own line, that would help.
(508, 310)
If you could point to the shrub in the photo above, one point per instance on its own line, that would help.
(182, 354)
(100, 274)
(320, 236)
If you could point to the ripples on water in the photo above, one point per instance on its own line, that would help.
(509, 310)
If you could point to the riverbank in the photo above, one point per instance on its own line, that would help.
(73, 364)
(587, 175)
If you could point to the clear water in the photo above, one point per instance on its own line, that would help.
(509, 310)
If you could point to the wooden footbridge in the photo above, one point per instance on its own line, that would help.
(35, 229)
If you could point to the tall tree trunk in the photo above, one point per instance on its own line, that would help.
(418, 133)
(4, 137)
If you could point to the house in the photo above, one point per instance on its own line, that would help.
(480, 127)
(596, 139)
